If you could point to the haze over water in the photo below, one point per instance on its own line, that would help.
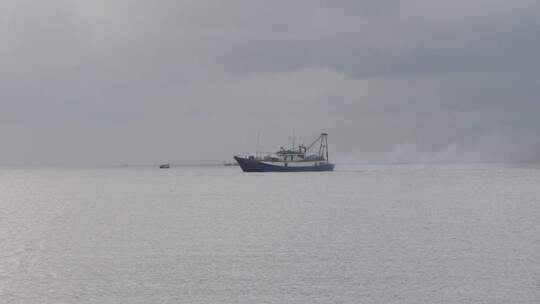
(366, 234)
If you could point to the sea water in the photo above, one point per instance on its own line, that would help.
(361, 234)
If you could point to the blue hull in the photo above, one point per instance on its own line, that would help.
(250, 165)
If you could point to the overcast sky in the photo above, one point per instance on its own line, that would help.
(112, 82)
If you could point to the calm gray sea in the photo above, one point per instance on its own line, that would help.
(362, 234)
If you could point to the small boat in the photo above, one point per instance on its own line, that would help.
(299, 159)
(165, 166)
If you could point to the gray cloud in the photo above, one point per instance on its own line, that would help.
(192, 81)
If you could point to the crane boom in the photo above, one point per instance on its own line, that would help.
(315, 141)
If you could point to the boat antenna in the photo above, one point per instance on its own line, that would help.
(257, 147)
(293, 136)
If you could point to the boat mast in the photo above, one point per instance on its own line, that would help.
(257, 147)
(323, 145)
(325, 136)
(323, 148)
(293, 137)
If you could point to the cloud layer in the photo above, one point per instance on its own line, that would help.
(107, 82)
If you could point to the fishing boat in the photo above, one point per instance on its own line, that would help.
(297, 159)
